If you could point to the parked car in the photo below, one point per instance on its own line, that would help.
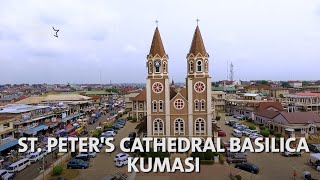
(78, 164)
(229, 114)
(112, 177)
(121, 163)
(226, 122)
(112, 133)
(248, 132)
(90, 154)
(121, 156)
(5, 175)
(214, 122)
(314, 148)
(110, 129)
(221, 133)
(248, 167)
(116, 126)
(132, 135)
(232, 122)
(253, 136)
(287, 153)
(235, 160)
(84, 157)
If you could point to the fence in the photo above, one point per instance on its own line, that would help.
(61, 160)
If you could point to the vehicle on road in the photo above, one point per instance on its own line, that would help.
(90, 154)
(287, 153)
(116, 126)
(84, 157)
(253, 136)
(77, 164)
(121, 163)
(19, 165)
(231, 160)
(132, 135)
(5, 175)
(110, 129)
(314, 148)
(108, 133)
(121, 156)
(232, 122)
(248, 132)
(221, 133)
(248, 167)
(236, 133)
(34, 157)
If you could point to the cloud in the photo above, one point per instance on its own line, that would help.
(130, 49)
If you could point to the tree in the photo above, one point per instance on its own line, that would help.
(285, 84)
(265, 133)
(57, 170)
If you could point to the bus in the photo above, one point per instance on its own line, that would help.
(19, 165)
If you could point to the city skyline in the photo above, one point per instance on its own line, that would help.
(101, 41)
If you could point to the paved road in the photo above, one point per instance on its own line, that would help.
(103, 164)
(32, 171)
(273, 165)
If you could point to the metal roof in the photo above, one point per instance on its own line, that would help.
(20, 108)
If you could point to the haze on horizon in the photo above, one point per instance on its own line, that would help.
(101, 41)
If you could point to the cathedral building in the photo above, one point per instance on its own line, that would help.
(173, 111)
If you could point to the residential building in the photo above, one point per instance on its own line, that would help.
(176, 112)
(218, 101)
(295, 84)
(278, 92)
(129, 103)
(302, 102)
(252, 96)
(296, 124)
(258, 89)
(139, 106)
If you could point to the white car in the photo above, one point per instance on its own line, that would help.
(121, 163)
(112, 132)
(121, 157)
(5, 175)
(108, 134)
(91, 154)
(248, 132)
(254, 136)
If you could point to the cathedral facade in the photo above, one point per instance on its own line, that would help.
(178, 112)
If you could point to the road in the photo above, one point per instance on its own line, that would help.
(273, 165)
(32, 171)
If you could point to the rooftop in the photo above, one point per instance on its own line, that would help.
(20, 108)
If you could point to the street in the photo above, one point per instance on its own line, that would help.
(32, 171)
(272, 165)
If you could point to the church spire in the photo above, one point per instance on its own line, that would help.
(197, 45)
(156, 45)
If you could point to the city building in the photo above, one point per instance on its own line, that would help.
(129, 103)
(295, 84)
(302, 102)
(139, 109)
(185, 112)
(218, 101)
(278, 92)
(258, 89)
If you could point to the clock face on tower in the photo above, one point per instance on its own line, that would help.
(157, 87)
(157, 63)
(199, 87)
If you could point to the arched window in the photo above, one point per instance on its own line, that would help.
(154, 106)
(179, 127)
(160, 106)
(158, 127)
(196, 105)
(150, 67)
(200, 126)
(203, 102)
(164, 66)
(199, 66)
(191, 66)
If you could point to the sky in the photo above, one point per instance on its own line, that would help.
(102, 41)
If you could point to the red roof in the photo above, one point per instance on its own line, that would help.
(270, 114)
(266, 105)
(141, 96)
(308, 94)
(301, 117)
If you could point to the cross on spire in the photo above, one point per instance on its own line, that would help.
(157, 22)
(197, 21)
